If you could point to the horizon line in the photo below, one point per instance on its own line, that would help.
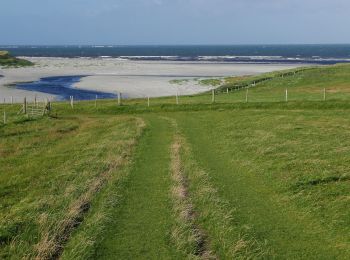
(167, 45)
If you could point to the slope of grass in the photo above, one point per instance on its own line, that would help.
(50, 170)
(263, 179)
(284, 175)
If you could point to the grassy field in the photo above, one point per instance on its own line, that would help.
(231, 180)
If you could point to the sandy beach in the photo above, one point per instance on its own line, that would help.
(132, 78)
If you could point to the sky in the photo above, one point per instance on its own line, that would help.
(172, 22)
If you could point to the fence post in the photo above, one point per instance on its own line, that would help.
(119, 98)
(72, 101)
(212, 96)
(25, 105)
(148, 101)
(177, 98)
(227, 90)
(49, 104)
(324, 94)
(246, 95)
(286, 95)
(4, 117)
(11, 100)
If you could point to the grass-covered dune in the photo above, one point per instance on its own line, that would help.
(263, 179)
(7, 60)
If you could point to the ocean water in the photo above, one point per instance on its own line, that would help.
(318, 54)
(63, 87)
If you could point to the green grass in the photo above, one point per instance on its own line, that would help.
(267, 166)
(6, 60)
(258, 180)
(49, 167)
(145, 214)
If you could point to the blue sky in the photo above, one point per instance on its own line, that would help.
(174, 21)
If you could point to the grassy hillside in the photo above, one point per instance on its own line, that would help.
(6, 60)
(263, 179)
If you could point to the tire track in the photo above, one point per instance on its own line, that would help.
(187, 234)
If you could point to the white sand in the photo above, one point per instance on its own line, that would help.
(132, 78)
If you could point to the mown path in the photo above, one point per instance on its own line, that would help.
(281, 230)
(141, 225)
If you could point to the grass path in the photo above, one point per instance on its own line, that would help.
(141, 227)
(259, 212)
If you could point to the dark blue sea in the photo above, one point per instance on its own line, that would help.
(315, 54)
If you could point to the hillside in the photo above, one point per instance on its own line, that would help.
(262, 177)
(7, 60)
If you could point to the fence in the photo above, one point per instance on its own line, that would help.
(12, 111)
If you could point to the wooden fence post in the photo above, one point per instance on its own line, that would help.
(148, 101)
(72, 101)
(246, 95)
(11, 100)
(227, 90)
(4, 117)
(213, 96)
(286, 95)
(25, 105)
(119, 98)
(49, 104)
(177, 98)
(324, 94)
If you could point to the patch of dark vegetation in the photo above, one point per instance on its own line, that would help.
(53, 115)
(321, 181)
(9, 233)
(16, 133)
(67, 129)
(7, 60)
(23, 120)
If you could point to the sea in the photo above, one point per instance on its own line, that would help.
(291, 54)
